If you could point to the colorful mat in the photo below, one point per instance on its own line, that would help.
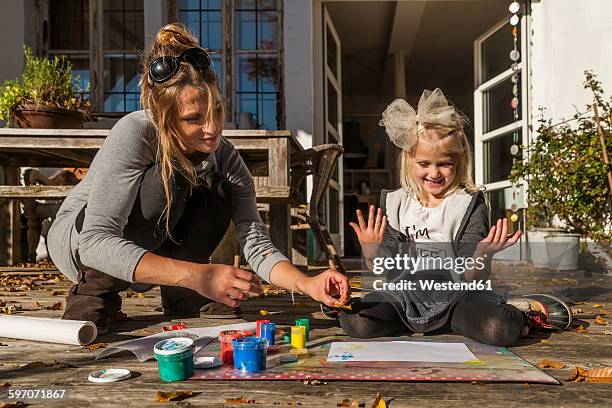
(494, 364)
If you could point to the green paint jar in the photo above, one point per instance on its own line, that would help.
(174, 358)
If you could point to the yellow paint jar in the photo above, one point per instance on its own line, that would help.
(298, 337)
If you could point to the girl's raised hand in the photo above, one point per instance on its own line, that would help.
(370, 234)
(498, 239)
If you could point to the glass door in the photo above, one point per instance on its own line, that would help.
(333, 126)
(499, 130)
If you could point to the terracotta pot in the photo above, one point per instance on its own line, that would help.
(43, 117)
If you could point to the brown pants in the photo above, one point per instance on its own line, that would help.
(198, 229)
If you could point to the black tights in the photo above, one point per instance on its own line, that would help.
(476, 316)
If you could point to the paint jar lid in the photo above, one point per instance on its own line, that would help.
(302, 322)
(175, 345)
(249, 343)
(109, 375)
(228, 335)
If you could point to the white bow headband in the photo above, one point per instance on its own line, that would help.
(400, 119)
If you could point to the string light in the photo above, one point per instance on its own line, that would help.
(515, 57)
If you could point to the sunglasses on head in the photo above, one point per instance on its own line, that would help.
(163, 68)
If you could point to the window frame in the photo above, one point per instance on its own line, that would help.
(231, 54)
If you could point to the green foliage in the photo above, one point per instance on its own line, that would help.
(566, 172)
(45, 82)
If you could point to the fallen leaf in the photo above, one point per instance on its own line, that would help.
(544, 341)
(129, 294)
(599, 375)
(16, 404)
(551, 364)
(580, 303)
(240, 400)
(600, 321)
(314, 382)
(57, 293)
(526, 385)
(264, 312)
(598, 305)
(344, 403)
(379, 402)
(141, 296)
(580, 329)
(162, 396)
(3, 345)
(578, 375)
(345, 307)
(95, 346)
(5, 385)
(41, 364)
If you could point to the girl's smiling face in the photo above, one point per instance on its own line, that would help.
(433, 170)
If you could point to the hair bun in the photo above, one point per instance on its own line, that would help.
(174, 34)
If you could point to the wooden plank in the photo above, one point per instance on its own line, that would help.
(13, 232)
(249, 144)
(71, 133)
(265, 194)
(278, 175)
(42, 142)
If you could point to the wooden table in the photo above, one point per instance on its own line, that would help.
(77, 147)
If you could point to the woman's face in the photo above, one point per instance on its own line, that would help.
(197, 133)
(434, 170)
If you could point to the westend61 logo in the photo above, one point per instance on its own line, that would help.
(402, 264)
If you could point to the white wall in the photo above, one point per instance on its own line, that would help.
(13, 27)
(298, 69)
(568, 37)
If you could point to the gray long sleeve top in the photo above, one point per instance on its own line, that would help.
(109, 191)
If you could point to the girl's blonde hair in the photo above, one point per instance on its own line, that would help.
(160, 102)
(450, 139)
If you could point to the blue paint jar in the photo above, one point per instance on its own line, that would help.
(250, 354)
(268, 331)
(174, 358)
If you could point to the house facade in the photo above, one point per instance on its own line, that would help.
(327, 69)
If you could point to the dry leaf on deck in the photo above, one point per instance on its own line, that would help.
(264, 312)
(551, 364)
(5, 385)
(578, 375)
(544, 341)
(580, 329)
(95, 346)
(598, 305)
(600, 321)
(16, 404)
(379, 402)
(129, 294)
(2, 304)
(599, 375)
(57, 293)
(240, 400)
(162, 396)
(141, 296)
(313, 382)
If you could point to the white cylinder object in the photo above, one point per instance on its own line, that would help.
(48, 330)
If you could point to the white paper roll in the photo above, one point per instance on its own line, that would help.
(60, 331)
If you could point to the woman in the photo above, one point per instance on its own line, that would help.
(158, 198)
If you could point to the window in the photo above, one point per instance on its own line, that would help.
(105, 61)
(69, 37)
(246, 54)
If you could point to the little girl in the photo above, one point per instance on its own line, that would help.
(439, 215)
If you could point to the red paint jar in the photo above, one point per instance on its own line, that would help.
(225, 340)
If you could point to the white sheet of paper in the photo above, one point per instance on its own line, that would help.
(429, 352)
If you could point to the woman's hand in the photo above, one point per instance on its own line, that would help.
(223, 283)
(326, 287)
(370, 234)
(497, 240)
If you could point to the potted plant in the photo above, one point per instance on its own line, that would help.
(568, 192)
(44, 97)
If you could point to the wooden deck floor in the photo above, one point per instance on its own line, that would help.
(590, 349)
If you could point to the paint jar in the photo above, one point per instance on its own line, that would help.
(268, 332)
(259, 323)
(298, 337)
(250, 354)
(306, 324)
(174, 358)
(225, 340)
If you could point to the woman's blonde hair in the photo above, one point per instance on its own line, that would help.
(450, 139)
(160, 102)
